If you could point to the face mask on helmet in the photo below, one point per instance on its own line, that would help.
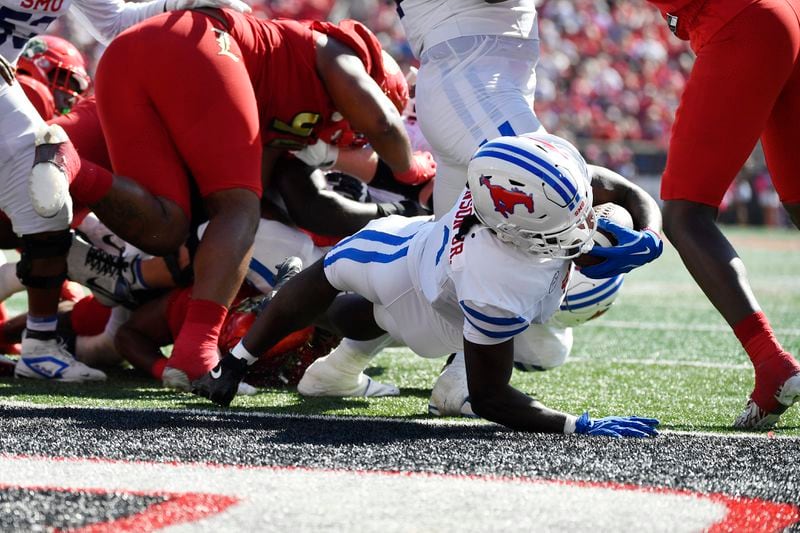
(534, 192)
(58, 64)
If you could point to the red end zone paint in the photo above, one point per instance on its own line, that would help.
(177, 509)
(743, 514)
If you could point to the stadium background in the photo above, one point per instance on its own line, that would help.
(609, 78)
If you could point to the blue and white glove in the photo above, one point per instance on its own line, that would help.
(617, 426)
(236, 5)
(634, 249)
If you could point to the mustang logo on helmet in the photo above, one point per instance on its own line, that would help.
(506, 200)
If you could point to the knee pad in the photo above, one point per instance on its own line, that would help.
(43, 247)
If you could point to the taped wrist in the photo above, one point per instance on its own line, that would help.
(43, 247)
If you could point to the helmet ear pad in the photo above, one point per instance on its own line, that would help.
(534, 190)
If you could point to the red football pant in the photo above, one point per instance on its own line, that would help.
(745, 84)
(174, 108)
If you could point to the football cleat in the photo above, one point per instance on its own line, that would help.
(450, 394)
(55, 165)
(110, 276)
(323, 378)
(755, 418)
(221, 384)
(50, 359)
(245, 389)
(7, 366)
(175, 378)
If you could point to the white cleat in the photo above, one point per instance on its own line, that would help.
(755, 418)
(450, 394)
(48, 181)
(245, 389)
(324, 379)
(109, 275)
(50, 359)
(175, 378)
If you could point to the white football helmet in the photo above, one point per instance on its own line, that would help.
(534, 191)
(586, 299)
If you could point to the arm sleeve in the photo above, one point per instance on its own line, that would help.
(105, 19)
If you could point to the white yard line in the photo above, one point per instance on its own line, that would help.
(672, 326)
(663, 362)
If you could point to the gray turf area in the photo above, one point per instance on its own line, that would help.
(738, 466)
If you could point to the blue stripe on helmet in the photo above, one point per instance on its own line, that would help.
(615, 283)
(568, 199)
(543, 162)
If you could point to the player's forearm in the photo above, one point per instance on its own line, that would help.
(393, 147)
(609, 186)
(516, 410)
(328, 213)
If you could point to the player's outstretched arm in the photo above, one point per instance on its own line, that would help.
(105, 19)
(488, 374)
(369, 111)
(325, 212)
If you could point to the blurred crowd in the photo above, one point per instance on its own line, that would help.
(609, 78)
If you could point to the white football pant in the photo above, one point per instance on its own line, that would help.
(19, 123)
(471, 90)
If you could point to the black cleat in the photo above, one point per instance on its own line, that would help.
(222, 382)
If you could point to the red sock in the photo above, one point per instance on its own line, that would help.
(195, 351)
(158, 367)
(91, 183)
(772, 364)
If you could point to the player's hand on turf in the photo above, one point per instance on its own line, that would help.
(633, 249)
(617, 426)
(423, 168)
(236, 5)
(7, 70)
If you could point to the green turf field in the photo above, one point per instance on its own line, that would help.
(662, 351)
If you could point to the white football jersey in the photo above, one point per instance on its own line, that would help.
(429, 22)
(22, 19)
(490, 288)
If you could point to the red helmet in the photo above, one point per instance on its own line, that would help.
(394, 85)
(39, 95)
(58, 64)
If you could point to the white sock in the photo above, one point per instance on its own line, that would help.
(119, 315)
(9, 282)
(240, 352)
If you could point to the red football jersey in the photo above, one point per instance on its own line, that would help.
(280, 56)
